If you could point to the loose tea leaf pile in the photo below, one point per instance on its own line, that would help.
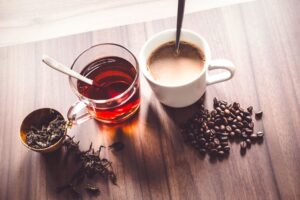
(210, 131)
(48, 135)
(91, 164)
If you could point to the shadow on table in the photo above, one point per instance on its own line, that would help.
(141, 158)
(180, 116)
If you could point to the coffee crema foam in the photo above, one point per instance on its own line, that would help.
(168, 68)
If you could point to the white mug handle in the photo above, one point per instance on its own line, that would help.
(228, 73)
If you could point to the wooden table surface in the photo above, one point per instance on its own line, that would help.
(261, 38)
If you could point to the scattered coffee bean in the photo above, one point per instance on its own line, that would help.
(226, 148)
(222, 127)
(227, 112)
(216, 141)
(238, 131)
(209, 132)
(244, 135)
(259, 114)
(202, 151)
(248, 141)
(220, 153)
(228, 128)
(250, 109)
(260, 134)
(248, 131)
(243, 145)
(251, 125)
(224, 134)
(253, 136)
(232, 134)
(239, 118)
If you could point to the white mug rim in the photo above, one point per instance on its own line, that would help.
(143, 60)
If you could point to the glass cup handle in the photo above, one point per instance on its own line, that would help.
(224, 64)
(75, 114)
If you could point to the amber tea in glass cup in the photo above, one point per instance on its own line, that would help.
(115, 96)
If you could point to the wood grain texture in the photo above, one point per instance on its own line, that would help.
(261, 38)
(33, 20)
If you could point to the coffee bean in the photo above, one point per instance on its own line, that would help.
(225, 121)
(222, 127)
(232, 134)
(202, 151)
(226, 111)
(202, 141)
(251, 125)
(248, 119)
(245, 123)
(224, 143)
(216, 102)
(239, 118)
(248, 141)
(224, 138)
(243, 145)
(240, 124)
(259, 114)
(224, 134)
(213, 151)
(210, 124)
(209, 131)
(242, 115)
(253, 136)
(236, 105)
(216, 141)
(260, 134)
(220, 153)
(213, 113)
(228, 128)
(226, 148)
(218, 121)
(229, 119)
(238, 131)
(232, 115)
(219, 110)
(217, 116)
(206, 145)
(212, 132)
(244, 135)
(250, 109)
(248, 131)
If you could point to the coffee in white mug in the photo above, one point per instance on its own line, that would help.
(172, 69)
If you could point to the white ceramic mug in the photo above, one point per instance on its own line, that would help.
(188, 93)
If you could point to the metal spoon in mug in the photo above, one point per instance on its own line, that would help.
(64, 69)
(180, 13)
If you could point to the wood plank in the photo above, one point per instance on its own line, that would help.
(24, 21)
(261, 38)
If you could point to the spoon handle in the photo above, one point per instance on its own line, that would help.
(180, 13)
(62, 68)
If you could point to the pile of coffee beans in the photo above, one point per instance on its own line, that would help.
(211, 131)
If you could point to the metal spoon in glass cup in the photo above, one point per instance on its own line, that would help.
(64, 69)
